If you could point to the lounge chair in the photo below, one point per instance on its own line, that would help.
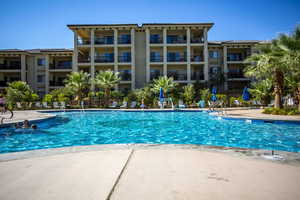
(38, 104)
(133, 104)
(237, 102)
(19, 105)
(114, 104)
(181, 104)
(142, 106)
(271, 104)
(55, 105)
(124, 105)
(45, 105)
(62, 105)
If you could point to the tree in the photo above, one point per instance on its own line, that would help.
(19, 91)
(107, 80)
(144, 95)
(188, 94)
(167, 84)
(290, 46)
(262, 90)
(205, 95)
(269, 65)
(78, 82)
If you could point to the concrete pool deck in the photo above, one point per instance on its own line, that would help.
(145, 172)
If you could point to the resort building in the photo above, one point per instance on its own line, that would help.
(140, 53)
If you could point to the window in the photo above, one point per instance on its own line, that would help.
(41, 78)
(41, 61)
(213, 54)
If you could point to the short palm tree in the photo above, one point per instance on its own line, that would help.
(79, 83)
(107, 80)
(167, 84)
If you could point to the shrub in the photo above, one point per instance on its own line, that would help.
(281, 111)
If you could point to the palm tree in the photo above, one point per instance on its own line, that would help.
(167, 84)
(107, 80)
(262, 90)
(269, 65)
(79, 83)
(290, 46)
(188, 94)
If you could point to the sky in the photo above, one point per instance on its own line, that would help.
(28, 24)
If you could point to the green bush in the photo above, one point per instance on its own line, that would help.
(282, 111)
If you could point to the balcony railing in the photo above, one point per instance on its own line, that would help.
(235, 57)
(11, 66)
(124, 40)
(176, 40)
(56, 83)
(197, 76)
(155, 74)
(104, 59)
(83, 41)
(178, 76)
(176, 59)
(104, 40)
(125, 75)
(235, 75)
(156, 41)
(84, 59)
(196, 58)
(124, 59)
(156, 59)
(197, 40)
(64, 65)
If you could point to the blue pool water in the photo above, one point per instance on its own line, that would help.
(117, 127)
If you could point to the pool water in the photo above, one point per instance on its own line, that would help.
(119, 127)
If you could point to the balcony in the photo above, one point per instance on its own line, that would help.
(197, 75)
(83, 41)
(56, 83)
(124, 59)
(197, 40)
(176, 59)
(196, 58)
(176, 39)
(104, 59)
(84, 59)
(61, 65)
(124, 39)
(156, 39)
(235, 74)
(125, 75)
(155, 74)
(156, 58)
(235, 57)
(11, 66)
(104, 40)
(177, 75)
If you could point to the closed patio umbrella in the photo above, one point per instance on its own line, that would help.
(161, 97)
(246, 94)
(214, 94)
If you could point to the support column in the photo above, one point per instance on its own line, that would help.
(132, 59)
(116, 53)
(165, 67)
(23, 67)
(92, 59)
(188, 53)
(206, 75)
(225, 68)
(147, 55)
(47, 60)
(75, 54)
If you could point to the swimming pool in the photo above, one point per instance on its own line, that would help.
(119, 127)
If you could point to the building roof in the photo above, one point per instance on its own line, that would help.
(29, 51)
(11, 50)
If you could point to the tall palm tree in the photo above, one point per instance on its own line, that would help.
(79, 83)
(167, 84)
(269, 65)
(107, 80)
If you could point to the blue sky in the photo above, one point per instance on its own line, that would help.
(29, 24)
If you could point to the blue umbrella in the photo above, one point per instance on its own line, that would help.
(161, 95)
(214, 94)
(246, 94)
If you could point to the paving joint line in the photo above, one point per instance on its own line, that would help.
(120, 175)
